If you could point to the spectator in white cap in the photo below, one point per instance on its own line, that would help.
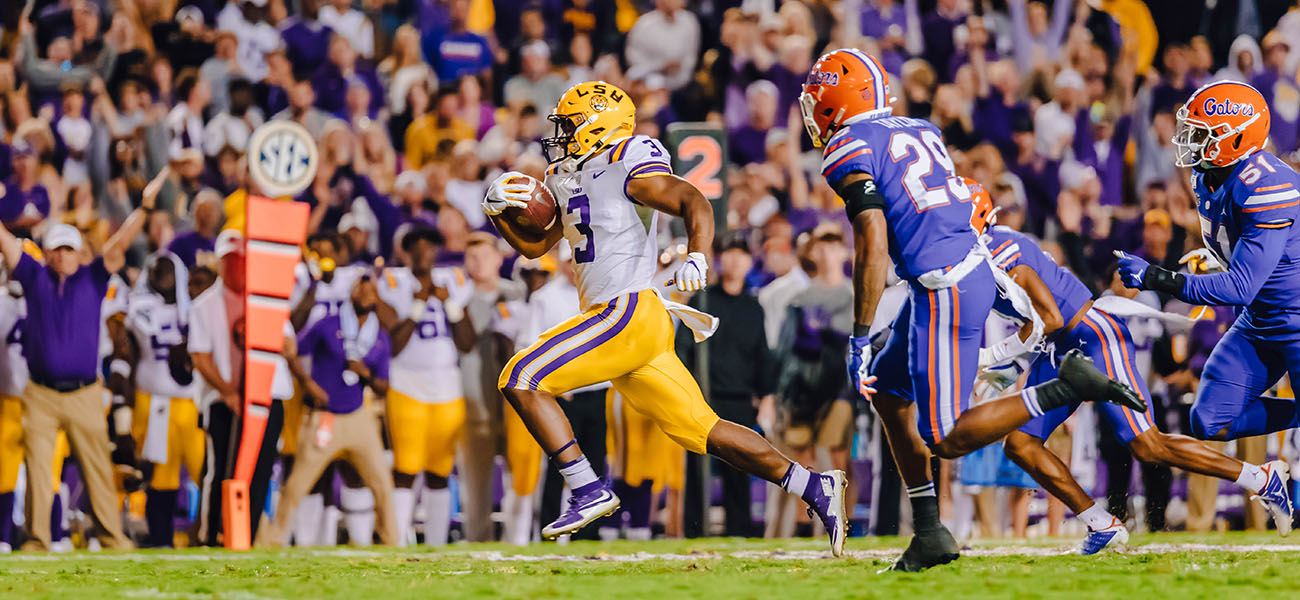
(1054, 122)
(537, 83)
(359, 230)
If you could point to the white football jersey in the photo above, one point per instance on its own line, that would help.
(13, 367)
(428, 367)
(613, 237)
(156, 327)
(330, 295)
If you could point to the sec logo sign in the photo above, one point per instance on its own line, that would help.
(282, 158)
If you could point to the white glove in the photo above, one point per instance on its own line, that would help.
(502, 195)
(693, 274)
(1001, 377)
(1200, 261)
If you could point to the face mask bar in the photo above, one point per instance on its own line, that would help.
(563, 138)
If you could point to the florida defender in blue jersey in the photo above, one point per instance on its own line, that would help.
(1248, 202)
(1071, 320)
(908, 205)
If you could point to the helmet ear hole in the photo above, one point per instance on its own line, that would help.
(1236, 142)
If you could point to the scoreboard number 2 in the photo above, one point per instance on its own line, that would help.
(706, 172)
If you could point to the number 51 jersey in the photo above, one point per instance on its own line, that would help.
(612, 236)
(927, 205)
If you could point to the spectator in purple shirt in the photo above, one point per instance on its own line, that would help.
(748, 144)
(61, 344)
(889, 22)
(937, 29)
(23, 200)
(306, 40)
(349, 351)
(207, 220)
(455, 50)
(1281, 93)
(343, 69)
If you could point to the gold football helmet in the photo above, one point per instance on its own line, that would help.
(589, 117)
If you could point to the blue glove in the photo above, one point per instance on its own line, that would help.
(1131, 269)
(860, 366)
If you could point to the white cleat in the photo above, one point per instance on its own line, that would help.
(1276, 495)
(1113, 536)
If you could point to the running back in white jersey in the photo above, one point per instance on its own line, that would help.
(613, 237)
(156, 328)
(428, 367)
(330, 295)
(13, 367)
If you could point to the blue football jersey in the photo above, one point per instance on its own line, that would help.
(927, 205)
(1011, 249)
(1248, 222)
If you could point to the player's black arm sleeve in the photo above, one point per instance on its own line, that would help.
(865, 208)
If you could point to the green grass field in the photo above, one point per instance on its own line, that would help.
(1156, 566)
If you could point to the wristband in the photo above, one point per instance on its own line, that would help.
(860, 330)
(1163, 280)
(122, 419)
(120, 367)
(455, 312)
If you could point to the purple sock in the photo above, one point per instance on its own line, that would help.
(637, 501)
(6, 517)
(56, 519)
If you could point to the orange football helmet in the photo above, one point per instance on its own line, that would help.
(843, 86)
(1220, 124)
(982, 213)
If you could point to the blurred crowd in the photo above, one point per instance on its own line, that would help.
(1063, 109)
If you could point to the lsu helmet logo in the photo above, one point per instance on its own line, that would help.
(599, 104)
(1214, 107)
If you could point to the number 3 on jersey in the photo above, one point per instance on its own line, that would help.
(582, 205)
(927, 188)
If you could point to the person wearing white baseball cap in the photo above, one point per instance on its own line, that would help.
(61, 341)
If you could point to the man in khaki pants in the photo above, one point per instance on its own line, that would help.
(61, 342)
(348, 350)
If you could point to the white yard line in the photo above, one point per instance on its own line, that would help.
(498, 556)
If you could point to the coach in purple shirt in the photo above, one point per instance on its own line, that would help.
(349, 351)
(61, 342)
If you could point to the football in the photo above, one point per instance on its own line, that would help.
(541, 209)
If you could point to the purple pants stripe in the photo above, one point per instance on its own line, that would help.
(551, 343)
(591, 344)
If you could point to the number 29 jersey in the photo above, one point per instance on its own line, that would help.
(927, 206)
(612, 236)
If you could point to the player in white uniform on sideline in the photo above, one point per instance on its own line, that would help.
(13, 378)
(609, 186)
(322, 284)
(165, 417)
(423, 310)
